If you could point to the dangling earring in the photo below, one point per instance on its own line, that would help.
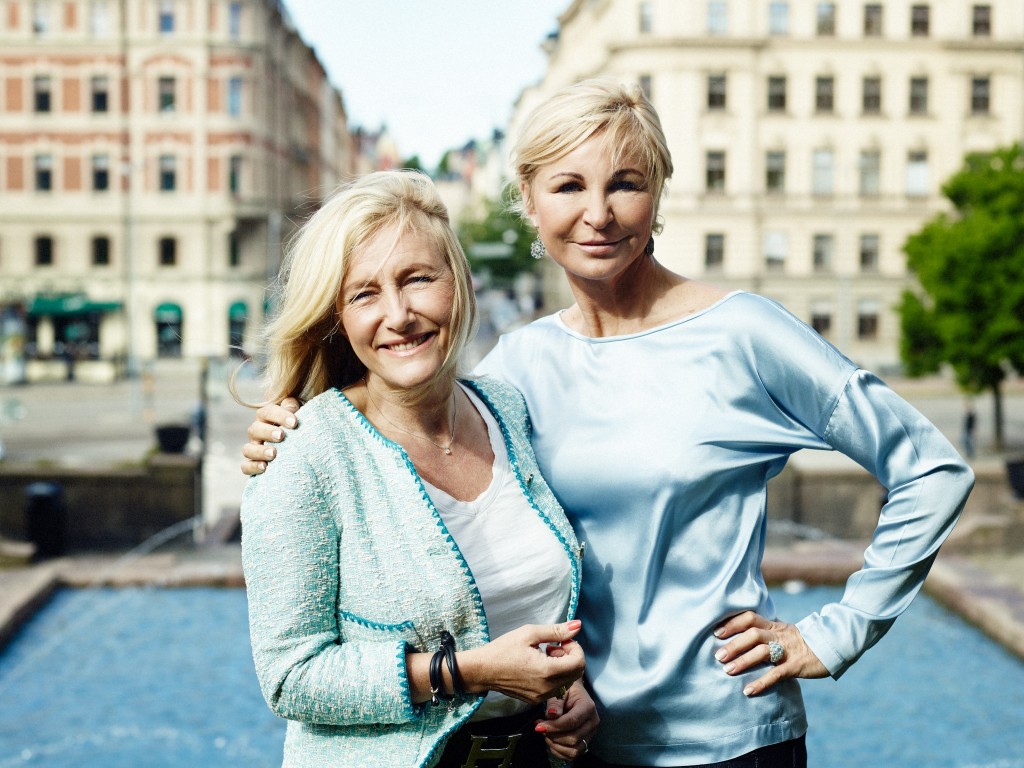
(537, 249)
(649, 248)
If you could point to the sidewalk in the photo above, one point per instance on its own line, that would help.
(992, 599)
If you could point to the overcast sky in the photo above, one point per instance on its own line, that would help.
(436, 72)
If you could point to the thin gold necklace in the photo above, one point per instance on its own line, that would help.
(455, 414)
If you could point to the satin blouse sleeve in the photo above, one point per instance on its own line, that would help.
(307, 670)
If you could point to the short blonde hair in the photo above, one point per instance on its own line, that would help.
(618, 112)
(307, 352)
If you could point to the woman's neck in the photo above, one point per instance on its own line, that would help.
(429, 413)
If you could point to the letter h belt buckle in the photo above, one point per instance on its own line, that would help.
(478, 751)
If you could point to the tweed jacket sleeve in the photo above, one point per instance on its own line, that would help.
(290, 550)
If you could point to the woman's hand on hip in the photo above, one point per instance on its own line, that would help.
(267, 429)
(516, 665)
(571, 723)
(749, 635)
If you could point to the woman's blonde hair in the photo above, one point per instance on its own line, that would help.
(620, 113)
(307, 351)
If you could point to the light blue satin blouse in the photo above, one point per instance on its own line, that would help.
(659, 446)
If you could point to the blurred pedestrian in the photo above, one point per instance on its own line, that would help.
(967, 433)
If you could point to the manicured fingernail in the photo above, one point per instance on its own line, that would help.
(540, 729)
(269, 453)
(722, 653)
(719, 632)
(291, 421)
(748, 691)
(552, 712)
(277, 434)
(574, 624)
(729, 668)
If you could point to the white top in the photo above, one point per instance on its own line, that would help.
(517, 562)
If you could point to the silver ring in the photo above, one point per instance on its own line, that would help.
(586, 747)
(775, 652)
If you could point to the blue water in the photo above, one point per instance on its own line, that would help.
(160, 678)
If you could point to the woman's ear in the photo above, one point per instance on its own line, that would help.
(528, 209)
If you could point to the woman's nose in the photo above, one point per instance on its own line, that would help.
(398, 311)
(598, 212)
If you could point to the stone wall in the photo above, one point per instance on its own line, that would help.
(107, 509)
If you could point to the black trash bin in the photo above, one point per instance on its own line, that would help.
(46, 519)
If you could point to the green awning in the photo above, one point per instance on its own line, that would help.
(167, 313)
(238, 311)
(68, 305)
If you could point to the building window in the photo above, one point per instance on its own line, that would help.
(870, 172)
(234, 20)
(100, 86)
(920, 20)
(824, 93)
(778, 18)
(237, 315)
(869, 253)
(917, 174)
(41, 90)
(100, 251)
(823, 172)
(166, 17)
(981, 21)
(776, 244)
(167, 319)
(822, 250)
(235, 96)
(41, 17)
(168, 175)
(44, 173)
(776, 94)
(165, 91)
(775, 172)
(980, 88)
(101, 173)
(714, 251)
(825, 14)
(44, 251)
(718, 22)
(919, 95)
(716, 91)
(871, 96)
(715, 171)
(821, 317)
(646, 17)
(644, 82)
(99, 18)
(234, 250)
(867, 319)
(235, 174)
(872, 20)
(167, 252)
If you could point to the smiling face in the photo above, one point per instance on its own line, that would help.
(395, 308)
(594, 215)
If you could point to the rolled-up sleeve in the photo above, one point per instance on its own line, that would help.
(306, 669)
(927, 483)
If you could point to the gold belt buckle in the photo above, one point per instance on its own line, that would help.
(478, 751)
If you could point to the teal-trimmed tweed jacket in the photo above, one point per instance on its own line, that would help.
(348, 565)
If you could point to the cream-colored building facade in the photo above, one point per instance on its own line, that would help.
(809, 138)
(154, 155)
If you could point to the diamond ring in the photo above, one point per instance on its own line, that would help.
(775, 652)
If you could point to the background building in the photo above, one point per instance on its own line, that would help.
(809, 138)
(154, 154)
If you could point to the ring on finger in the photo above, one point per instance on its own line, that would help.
(775, 652)
(586, 747)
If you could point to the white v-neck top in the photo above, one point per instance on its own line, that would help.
(517, 562)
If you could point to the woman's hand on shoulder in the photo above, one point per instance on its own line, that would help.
(749, 634)
(267, 429)
(571, 723)
(516, 665)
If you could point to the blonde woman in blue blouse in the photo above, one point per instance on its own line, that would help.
(661, 407)
(412, 580)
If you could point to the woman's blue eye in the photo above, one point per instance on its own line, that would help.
(570, 186)
(629, 186)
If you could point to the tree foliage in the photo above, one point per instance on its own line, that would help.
(499, 226)
(970, 266)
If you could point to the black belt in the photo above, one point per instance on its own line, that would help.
(499, 742)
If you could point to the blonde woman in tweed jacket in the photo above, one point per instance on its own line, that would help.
(408, 506)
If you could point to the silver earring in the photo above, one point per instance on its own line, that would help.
(537, 249)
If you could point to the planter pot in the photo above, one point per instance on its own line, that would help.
(1015, 475)
(172, 438)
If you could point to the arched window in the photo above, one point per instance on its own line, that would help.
(237, 315)
(167, 319)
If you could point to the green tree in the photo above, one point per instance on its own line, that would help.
(413, 163)
(969, 312)
(498, 243)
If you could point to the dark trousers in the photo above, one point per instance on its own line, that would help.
(493, 743)
(788, 754)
